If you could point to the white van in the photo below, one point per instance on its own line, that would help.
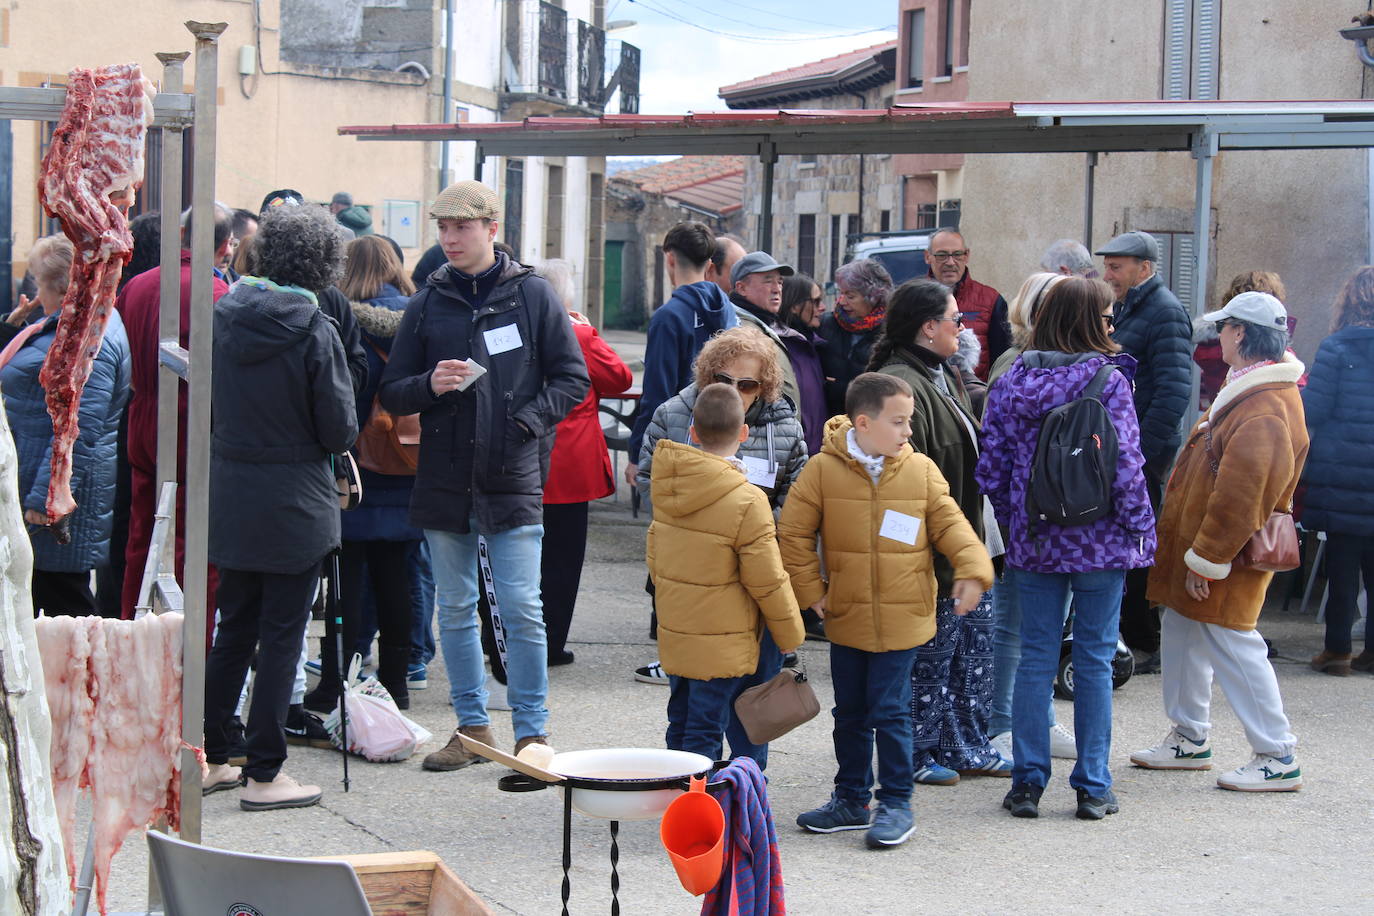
(902, 253)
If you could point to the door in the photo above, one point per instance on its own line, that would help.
(610, 300)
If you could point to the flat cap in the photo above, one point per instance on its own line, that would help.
(757, 262)
(341, 197)
(1132, 245)
(466, 200)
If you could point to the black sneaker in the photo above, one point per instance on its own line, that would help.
(1095, 807)
(1024, 800)
(305, 729)
(238, 755)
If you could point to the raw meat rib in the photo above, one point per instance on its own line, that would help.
(89, 175)
(64, 644)
(114, 692)
(134, 770)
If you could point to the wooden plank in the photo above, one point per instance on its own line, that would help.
(449, 896)
(409, 860)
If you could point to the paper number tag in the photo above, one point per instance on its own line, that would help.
(758, 472)
(900, 527)
(499, 340)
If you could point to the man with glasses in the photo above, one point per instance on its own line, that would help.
(1151, 325)
(983, 308)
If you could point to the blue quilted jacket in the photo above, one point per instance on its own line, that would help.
(93, 453)
(1339, 403)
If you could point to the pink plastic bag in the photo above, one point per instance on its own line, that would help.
(376, 728)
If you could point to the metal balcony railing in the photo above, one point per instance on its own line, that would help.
(550, 56)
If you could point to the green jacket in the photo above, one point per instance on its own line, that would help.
(939, 433)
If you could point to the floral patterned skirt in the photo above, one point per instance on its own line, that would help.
(951, 689)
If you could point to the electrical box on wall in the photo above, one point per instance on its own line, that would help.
(248, 60)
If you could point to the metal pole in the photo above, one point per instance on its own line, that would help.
(448, 92)
(478, 160)
(1204, 151)
(1088, 199)
(198, 422)
(169, 312)
(768, 155)
(6, 208)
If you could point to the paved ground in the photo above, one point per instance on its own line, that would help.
(1178, 843)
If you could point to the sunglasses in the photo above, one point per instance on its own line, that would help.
(957, 319)
(743, 385)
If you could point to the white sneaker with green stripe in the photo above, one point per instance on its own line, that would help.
(1176, 752)
(1265, 773)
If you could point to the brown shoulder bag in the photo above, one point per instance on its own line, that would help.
(1274, 548)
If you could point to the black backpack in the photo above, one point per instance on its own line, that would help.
(1075, 460)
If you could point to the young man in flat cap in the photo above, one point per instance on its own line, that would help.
(487, 357)
(1153, 326)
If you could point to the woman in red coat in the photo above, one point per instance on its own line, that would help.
(579, 470)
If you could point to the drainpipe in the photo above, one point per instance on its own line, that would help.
(448, 91)
(863, 103)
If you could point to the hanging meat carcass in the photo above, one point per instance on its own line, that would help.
(88, 179)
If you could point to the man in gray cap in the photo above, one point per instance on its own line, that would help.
(341, 201)
(756, 284)
(486, 355)
(1151, 325)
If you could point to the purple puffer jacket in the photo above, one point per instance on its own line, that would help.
(1036, 383)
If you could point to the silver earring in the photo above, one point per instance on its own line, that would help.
(930, 340)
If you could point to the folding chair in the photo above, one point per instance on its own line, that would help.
(196, 880)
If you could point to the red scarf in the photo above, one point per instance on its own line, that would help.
(859, 325)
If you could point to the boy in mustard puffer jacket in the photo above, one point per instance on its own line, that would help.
(713, 555)
(879, 507)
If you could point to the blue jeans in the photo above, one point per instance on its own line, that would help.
(1006, 608)
(872, 696)
(421, 570)
(701, 711)
(515, 571)
(1096, 619)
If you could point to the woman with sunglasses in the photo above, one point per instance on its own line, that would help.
(773, 454)
(801, 311)
(952, 680)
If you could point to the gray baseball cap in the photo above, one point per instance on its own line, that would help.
(757, 262)
(1255, 307)
(1132, 245)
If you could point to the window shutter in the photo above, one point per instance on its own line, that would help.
(1206, 49)
(1178, 16)
(1183, 270)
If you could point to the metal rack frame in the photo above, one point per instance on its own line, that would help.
(174, 111)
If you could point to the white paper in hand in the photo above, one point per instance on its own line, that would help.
(478, 370)
(898, 526)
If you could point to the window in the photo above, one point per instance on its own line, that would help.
(515, 202)
(806, 243)
(949, 39)
(915, 48)
(854, 226)
(1177, 266)
(1192, 52)
(885, 221)
(553, 213)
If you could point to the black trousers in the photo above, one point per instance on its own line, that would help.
(64, 594)
(387, 572)
(565, 551)
(1348, 556)
(269, 611)
(1139, 618)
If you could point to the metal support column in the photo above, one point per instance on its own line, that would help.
(198, 422)
(1089, 197)
(448, 91)
(6, 208)
(479, 159)
(768, 155)
(169, 313)
(1204, 151)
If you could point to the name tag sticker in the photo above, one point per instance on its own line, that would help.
(898, 526)
(759, 474)
(499, 340)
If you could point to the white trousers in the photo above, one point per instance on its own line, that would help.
(1191, 653)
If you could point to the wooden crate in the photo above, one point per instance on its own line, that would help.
(413, 884)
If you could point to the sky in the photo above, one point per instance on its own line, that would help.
(690, 48)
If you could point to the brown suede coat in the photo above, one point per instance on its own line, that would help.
(1259, 439)
(881, 591)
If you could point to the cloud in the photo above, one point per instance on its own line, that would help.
(681, 69)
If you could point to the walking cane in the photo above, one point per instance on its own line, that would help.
(335, 595)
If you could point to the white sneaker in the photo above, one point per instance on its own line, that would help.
(1062, 744)
(651, 673)
(496, 695)
(1001, 742)
(1263, 774)
(1175, 752)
